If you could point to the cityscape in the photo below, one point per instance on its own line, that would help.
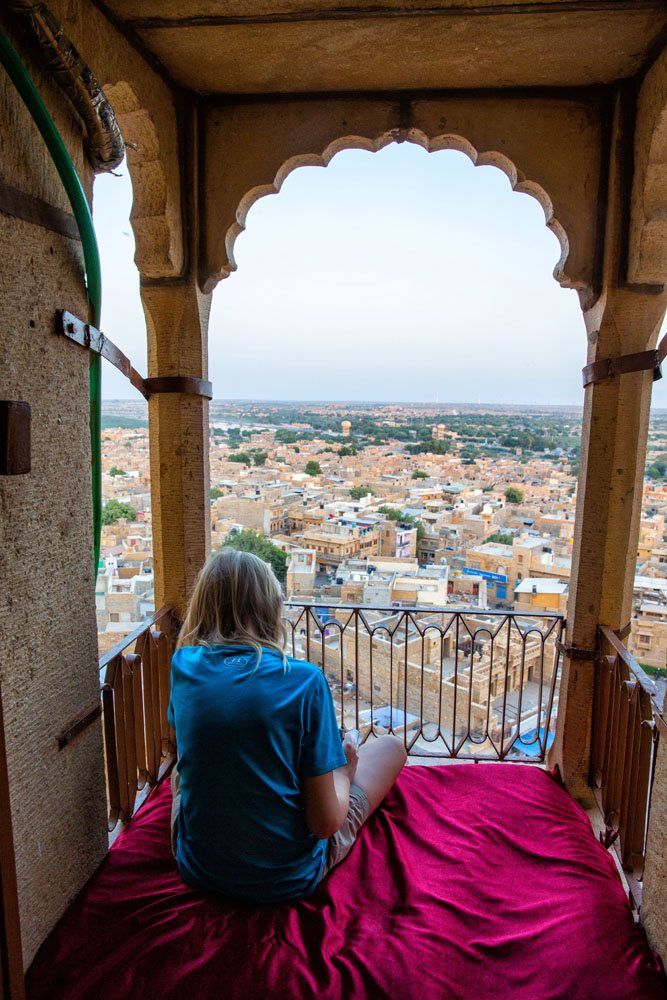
(333, 342)
(392, 507)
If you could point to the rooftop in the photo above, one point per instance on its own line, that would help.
(541, 585)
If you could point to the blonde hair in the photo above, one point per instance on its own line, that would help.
(237, 600)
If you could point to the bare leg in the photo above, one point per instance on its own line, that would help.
(381, 760)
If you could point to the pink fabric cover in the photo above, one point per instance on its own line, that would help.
(471, 881)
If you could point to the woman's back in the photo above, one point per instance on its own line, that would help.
(247, 735)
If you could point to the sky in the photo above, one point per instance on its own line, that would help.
(400, 275)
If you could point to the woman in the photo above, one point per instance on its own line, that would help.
(266, 797)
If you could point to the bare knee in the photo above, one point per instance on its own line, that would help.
(381, 760)
(394, 747)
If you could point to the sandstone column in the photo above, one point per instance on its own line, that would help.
(613, 453)
(177, 320)
(625, 319)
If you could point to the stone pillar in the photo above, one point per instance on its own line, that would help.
(177, 320)
(613, 453)
(625, 319)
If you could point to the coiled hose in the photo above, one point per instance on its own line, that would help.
(63, 162)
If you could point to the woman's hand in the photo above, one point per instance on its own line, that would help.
(352, 754)
(327, 796)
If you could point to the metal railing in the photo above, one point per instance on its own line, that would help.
(627, 722)
(139, 745)
(470, 685)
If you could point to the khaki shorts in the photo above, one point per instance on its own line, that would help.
(338, 846)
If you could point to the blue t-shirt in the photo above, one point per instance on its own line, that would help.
(247, 735)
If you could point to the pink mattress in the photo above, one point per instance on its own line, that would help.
(472, 881)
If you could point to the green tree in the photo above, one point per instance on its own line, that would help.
(391, 513)
(115, 471)
(357, 492)
(283, 436)
(259, 457)
(345, 451)
(418, 474)
(242, 457)
(251, 541)
(409, 520)
(114, 510)
(313, 468)
(429, 448)
(215, 492)
(658, 469)
(108, 420)
(513, 494)
(500, 538)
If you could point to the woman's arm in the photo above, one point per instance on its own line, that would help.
(327, 796)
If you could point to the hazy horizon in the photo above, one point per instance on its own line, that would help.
(366, 402)
(410, 276)
(383, 402)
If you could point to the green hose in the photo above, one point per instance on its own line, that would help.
(77, 199)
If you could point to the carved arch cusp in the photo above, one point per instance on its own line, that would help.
(155, 216)
(251, 149)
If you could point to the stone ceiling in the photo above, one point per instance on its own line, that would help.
(297, 46)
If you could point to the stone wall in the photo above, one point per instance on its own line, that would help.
(654, 911)
(48, 651)
(48, 648)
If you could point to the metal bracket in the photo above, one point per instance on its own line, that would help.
(94, 340)
(37, 212)
(186, 384)
(575, 652)
(625, 364)
(77, 726)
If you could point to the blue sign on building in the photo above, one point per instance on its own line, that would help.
(496, 577)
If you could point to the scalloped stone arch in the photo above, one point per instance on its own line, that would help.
(157, 252)
(437, 143)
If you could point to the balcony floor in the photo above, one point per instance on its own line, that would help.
(479, 881)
